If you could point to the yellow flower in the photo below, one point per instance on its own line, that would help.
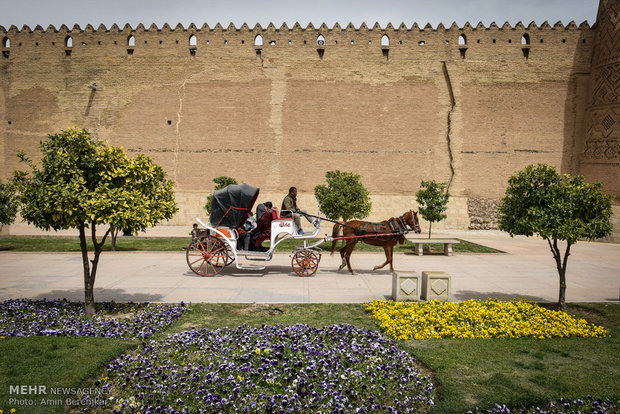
(257, 350)
(476, 319)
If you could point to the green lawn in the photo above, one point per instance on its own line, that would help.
(525, 372)
(125, 244)
(52, 362)
(468, 373)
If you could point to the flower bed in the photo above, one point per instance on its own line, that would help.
(477, 319)
(25, 317)
(269, 369)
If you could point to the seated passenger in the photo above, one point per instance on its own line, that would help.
(262, 231)
(244, 232)
(260, 210)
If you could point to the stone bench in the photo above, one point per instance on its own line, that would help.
(447, 244)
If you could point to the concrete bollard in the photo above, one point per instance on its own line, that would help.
(435, 285)
(405, 286)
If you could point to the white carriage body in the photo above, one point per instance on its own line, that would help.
(281, 229)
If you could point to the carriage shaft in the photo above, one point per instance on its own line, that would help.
(364, 236)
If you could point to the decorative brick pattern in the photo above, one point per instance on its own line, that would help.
(601, 150)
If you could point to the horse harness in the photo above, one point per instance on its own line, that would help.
(395, 225)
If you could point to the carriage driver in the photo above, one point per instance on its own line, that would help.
(290, 203)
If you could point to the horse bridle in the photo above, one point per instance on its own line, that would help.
(401, 221)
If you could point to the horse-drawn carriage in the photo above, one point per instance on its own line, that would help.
(216, 245)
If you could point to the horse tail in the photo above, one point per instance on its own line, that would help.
(335, 233)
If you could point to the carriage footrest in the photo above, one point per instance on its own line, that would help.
(250, 255)
(251, 267)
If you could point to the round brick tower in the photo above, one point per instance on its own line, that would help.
(601, 156)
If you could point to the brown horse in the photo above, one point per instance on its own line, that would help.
(371, 234)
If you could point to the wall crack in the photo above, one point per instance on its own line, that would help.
(449, 120)
(177, 144)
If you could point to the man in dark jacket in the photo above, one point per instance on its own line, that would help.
(290, 205)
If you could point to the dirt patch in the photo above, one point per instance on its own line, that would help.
(262, 310)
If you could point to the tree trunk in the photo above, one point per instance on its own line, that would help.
(430, 225)
(562, 296)
(89, 299)
(113, 236)
(561, 266)
(95, 261)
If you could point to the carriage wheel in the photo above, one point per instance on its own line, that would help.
(207, 256)
(305, 262)
(230, 257)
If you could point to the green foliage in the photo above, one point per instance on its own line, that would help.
(84, 183)
(344, 196)
(8, 204)
(82, 180)
(220, 182)
(432, 198)
(540, 201)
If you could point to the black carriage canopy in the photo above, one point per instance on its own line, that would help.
(232, 205)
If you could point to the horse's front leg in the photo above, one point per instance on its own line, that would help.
(342, 251)
(391, 249)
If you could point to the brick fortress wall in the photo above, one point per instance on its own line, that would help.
(466, 105)
(601, 156)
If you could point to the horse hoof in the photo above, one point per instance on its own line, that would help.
(375, 268)
(341, 267)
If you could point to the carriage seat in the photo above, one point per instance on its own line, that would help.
(228, 232)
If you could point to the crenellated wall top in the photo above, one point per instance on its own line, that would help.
(323, 28)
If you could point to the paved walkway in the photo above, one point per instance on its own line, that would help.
(525, 270)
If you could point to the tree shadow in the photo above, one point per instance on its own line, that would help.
(101, 295)
(232, 271)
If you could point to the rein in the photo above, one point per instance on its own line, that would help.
(400, 224)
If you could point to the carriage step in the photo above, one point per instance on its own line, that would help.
(251, 267)
(253, 255)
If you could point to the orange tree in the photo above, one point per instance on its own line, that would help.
(83, 183)
(557, 207)
(432, 198)
(344, 196)
(8, 204)
(220, 182)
